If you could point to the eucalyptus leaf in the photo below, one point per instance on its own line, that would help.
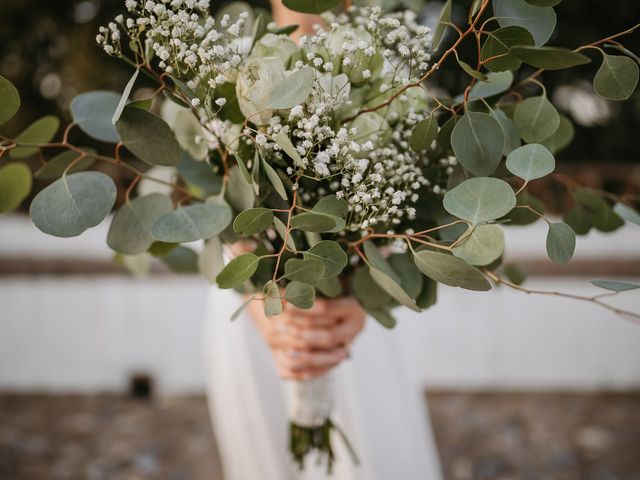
(579, 219)
(536, 119)
(239, 193)
(549, 58)
(272, 299)
(531, 161)
(561, 243)
(497, 82)
(627, 213)
(305, 270)
(478, 200)
(10, 100)
(241, 308)
(40, 131)
(450, 270)
(15, 185)
(190, 135)
(293, 90)
(274, 179)
(393, 289)
(130, 230)
(441, 24)
(253, 221)
(617, 77)
(411, 279)
(378, 261)
(539, 21)
(484, 246)
(511, 135)
(332, 205)
(615, 286)
(330, 287)
(313, 222)
(182, 260)
(562, 137)
(311, 6)
(238, 271)
(56, 167)
(330, 254)
(285, 143)
(424, 134)
(498, 44)
(73, 203)
(472, 72)
(148, 137)
(194, 222)
(125, 96)
(299, 294)
(478, 142)
(383, 317)
(93, 112)
(367, 291)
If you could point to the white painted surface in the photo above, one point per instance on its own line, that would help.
(89, 333)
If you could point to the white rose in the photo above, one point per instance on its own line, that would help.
(272, 45)
(256, 79)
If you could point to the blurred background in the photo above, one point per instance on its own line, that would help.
(102, 374)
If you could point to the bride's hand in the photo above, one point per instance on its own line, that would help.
(308, 343)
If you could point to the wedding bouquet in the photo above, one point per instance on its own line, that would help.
(340, 161)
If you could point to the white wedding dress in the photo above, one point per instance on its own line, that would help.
(379, 404)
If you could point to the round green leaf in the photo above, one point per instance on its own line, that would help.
(511, 135)
(272, 299)
(189, 135)
(540, 21)
(73, 203)
(536, 119)
(479, 200)
(450, 270)
(497, 82)
(579, 219)
(484, 246)
(300, 294)
(10, 100)
(531, 161)
(627, 213)
(130, 230)
(332, 205)
(182, 260)
(561, 243)
(330, 254)
(238, 271)
(617, 77)
(367, 291)
(424, 134)
(330, 287)
(93, 112)
(478, 142)
(378, 261)
(195, 222)
(562, 137)
(441, 25)
(549, 58)
(40, 131)
(293, 90)
(499, 42)
(411, 279)
(253, 221)
(390, 286)
(311, 6)
(382, 316)
(148, 137)
(55, 167)
(313, 222)
(615, 286)
(15, 185)
(305, 270)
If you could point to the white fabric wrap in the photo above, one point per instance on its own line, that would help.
(310, 401)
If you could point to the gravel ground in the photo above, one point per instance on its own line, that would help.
(480, 437)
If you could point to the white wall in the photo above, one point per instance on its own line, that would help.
(89, 333)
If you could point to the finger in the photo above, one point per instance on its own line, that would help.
(304, 360)
(296, 319)
(345, 332)
(301, 375)
(314, 338)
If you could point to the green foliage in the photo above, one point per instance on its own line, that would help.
(411, 279)
(190, 135)
(148, 137)
(285, 143)
(274, 179)
(424, 133)
(484, 246)
(478, 200)
(536, 119)
(301, 295)
(498, 44)
(311, 6)
(393, 288)
(441, 25)
(497, 82)
(238, 271)
(511, 135)
(531, 161)
(294, 89)
(130, 230)
(313, 222)
(70, 159)
(450, 270)
(330, 254)
(383, 317)
(549, 58)
(539, 21)
(182, 260)
(15, 185)
(73, 203)
(523, 216)
(627, 213)
(272, 299)
(253, 221)
(93, 113)
(370, 295)
(10, 100)
(615, 286)
(125, 96)
(562, 137)
(194, 222)
(478, 142)
(304, 270)
(330, 287)
(40, 131)
(561, 243)
(617, 77)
